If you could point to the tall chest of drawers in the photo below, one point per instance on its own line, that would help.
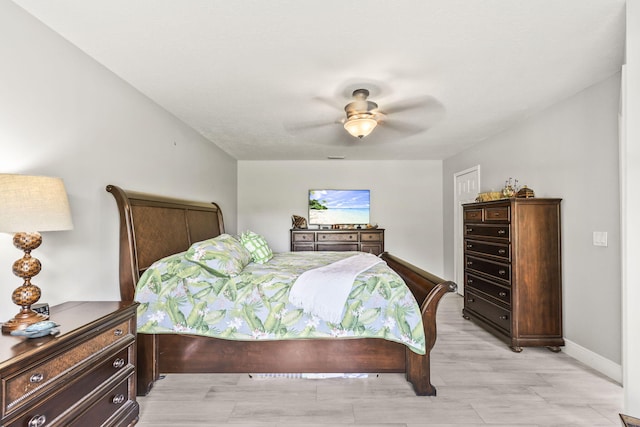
(513, 270)
(83, 376)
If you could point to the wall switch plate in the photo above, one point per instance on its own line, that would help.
(599, 238)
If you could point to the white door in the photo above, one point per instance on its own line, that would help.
(466, 186)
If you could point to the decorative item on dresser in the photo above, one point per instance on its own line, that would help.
(30, 204)
(84, 376)
(364, 240)
(512, 270)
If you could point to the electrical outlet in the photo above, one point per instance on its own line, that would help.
(599, 238)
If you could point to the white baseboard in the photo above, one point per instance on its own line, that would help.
(593, 360)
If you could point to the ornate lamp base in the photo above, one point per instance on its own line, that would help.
(27, 294)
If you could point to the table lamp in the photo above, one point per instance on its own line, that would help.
(28, 205)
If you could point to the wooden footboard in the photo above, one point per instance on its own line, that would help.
(428, 290)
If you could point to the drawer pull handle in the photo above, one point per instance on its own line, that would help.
(118, 363)
(469, 230)
(37, 421)
(502, 294)
(469, 281)
(118, 399)
(469, 245)
(469, 262)
(471, 300)
(502, 272)
(504, 317)
(502, 251)
(502, 231)
(36, 378)
(118, 332)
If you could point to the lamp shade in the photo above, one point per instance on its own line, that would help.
(360, 127)
(33, 203)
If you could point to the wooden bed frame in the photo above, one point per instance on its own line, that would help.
(153, 227)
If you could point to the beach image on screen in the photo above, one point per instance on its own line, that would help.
(339, 207)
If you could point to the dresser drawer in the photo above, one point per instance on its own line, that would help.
(493, 231)
(303, 237)
(370, 237)
(495, 269)
(498, 213)
(298, 247)
(337, 247)
(107, 407)
(337, 237)
(500, 250)
(493, 313)
(473, 215)
(500, 293)
(36, 379)
(371, 248)
(51, 412)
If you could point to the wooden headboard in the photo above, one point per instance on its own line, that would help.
(153, 227)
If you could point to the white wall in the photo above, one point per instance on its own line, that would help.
(62, 114)
(570, 150)
(406, 200)
(630, 177)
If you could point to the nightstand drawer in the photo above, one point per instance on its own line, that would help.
(34, 380)
(337, 237)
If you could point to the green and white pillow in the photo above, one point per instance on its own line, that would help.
(257, 246)
(223, 255)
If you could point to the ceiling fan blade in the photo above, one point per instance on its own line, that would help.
(333, 103)
(410, 104)
(402, 127)
(295, 128)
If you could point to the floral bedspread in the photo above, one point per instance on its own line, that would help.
(179, 296)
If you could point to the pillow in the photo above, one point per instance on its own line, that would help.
(223, 255)
(257, 246)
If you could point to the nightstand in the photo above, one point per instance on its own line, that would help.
(83, 376)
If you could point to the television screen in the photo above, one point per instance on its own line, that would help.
(331, 207)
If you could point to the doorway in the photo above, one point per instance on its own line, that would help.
(466, 186)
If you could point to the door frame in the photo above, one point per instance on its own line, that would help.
(458, 267)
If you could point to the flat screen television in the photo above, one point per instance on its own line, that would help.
(338, 207)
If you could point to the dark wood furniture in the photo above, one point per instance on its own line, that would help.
(153, 227)
(512, 270)
(83, 376)
(365, 240)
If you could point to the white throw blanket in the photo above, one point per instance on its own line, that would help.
(324, 291)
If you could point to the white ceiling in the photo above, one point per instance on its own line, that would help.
(247, 74)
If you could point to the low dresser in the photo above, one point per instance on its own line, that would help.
(82, 376)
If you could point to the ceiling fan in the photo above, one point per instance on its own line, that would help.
(362, 116)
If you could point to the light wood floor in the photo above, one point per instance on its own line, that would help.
(480, 382)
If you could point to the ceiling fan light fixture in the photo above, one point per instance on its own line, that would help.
(360, 126)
